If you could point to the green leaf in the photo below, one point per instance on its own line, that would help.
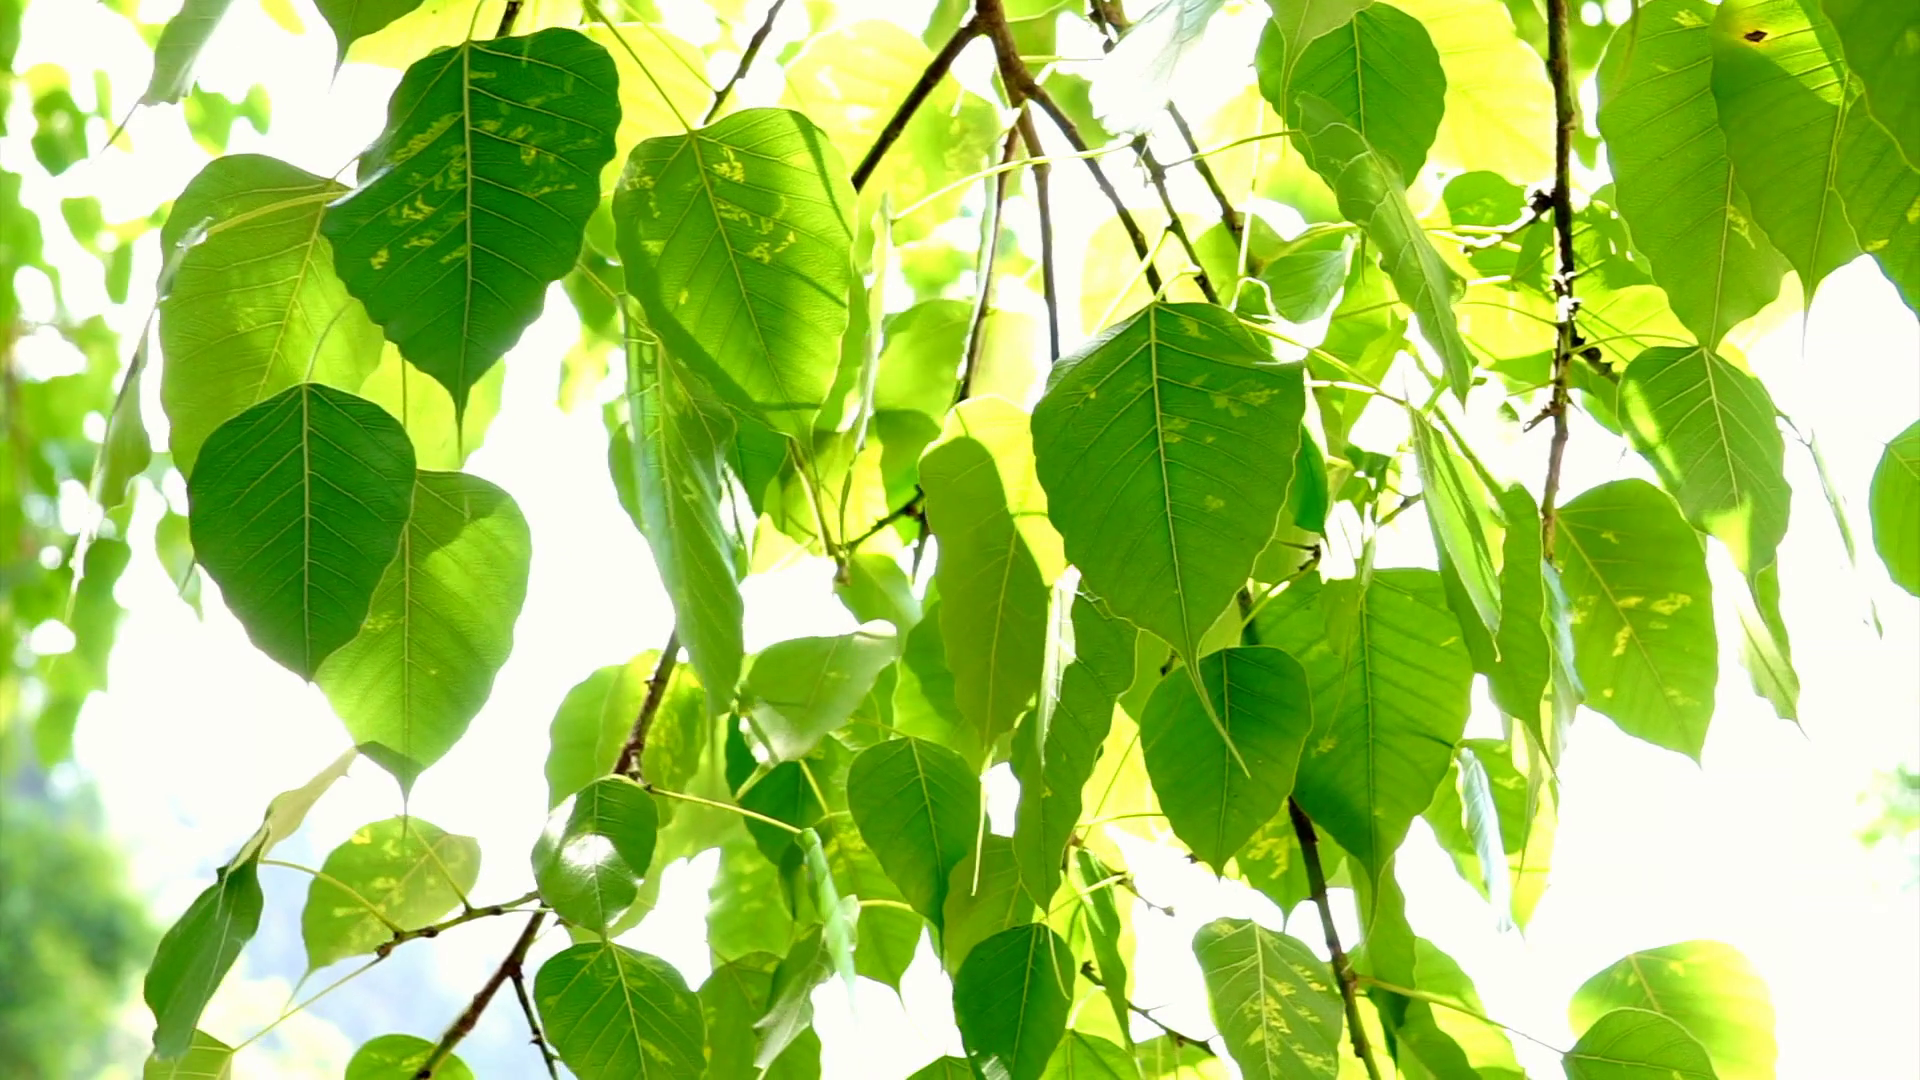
(888, 935)
(1765, 648)
(789, 1015)
(612, 1012)
(1633, 1044)
(179, 47)
(1304, 275)
(196, 954)
(918, 807)
(255, 307)
(1382, 76)
(736, 241)
(441, 440)
(807, 687)
(1096, 888)
(747, 908)
(352, 20)
(925, 703)
(1464, 529)
(946, 1068)
(677, 457)
(734, 996)
(592, 724)
(1642, 611)
(1010, 1000)
(877, 588)
(400, 1057)
(288, 810)
(1879, 41)
(299, 503)
(1706, 987)
(1365, 334)
(1708, 430)
(1295, 25)
(1672, 175)
(1894, 505)
(1781, 92)
(1880, 188)
(1090, 1057)
(1372, 197)
(1271, 862)
(590, 858)
(982, 902)
(476, 196)
(206, 1059)
(1166, 448)
(1498, 97)
(400, 872)
(783, 793)
(1273, 1000)
(1266, 705)
(439, 627)
(838, 913)
(1391, 681)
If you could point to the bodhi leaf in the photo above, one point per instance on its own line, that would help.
(402, 871)
(734, 996)
(946, 1068)
(439, 627)
(1671, 172)
(590, 858)
(1498, 98)
(1706, 987)
(984, 897)
(179, 47)
(806, 687)
(255, 306)
(401, 1057)
(736, 242)
(1295, 25)
(299, 503)
(1708, 430)
(595, 718)
(1464, 529)
(1642, 613)
(1273, 1000)
(1166, 448)
(197, 952)
(1010, 1000)
(1095, 885)
(1634, 1044)
(613, 1013)
(918, 807)
(1382, 76)
(1090, 1057)
(1894, 504)
(1134, 80)
(1266, 705)
(1882, 41)
(352, 20)
(1781, 92)
(476, 196)
(1880, 190)
(1371, 196)
(206, 1059)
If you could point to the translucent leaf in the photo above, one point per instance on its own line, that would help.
(945, 1068)
(1273, 1000)
(288, 810)
(402, 871)
(613, 1012)
(1089, 1057)
(476, 196)
(1880, 189)
(401, 1057)
(441, 440)
(589, 859)
(1498, 99)
(1135, 78)
(789, 1016)
(734, 996)
(352, 20)
(1879, 41)
(807, 687)
(1894, 505)
(1765, 648)
(918, 807)
(982, 900)
(1096, 886)
(206, 1059)
(439, 627)
(179, 47)
(1382, 76)
(1010, 999)
(1706, 987)
(1633, 1044)
(1642, 613)
(1464, 527)
(196, 953)
(299, 503)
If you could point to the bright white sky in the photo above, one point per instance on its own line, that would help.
(1756, 847)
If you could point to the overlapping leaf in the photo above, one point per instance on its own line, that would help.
(588, 861)
(197, 952)
(1706, 987)
(1879, 41)
(400, 1057)
(1880, 189)
(804, 688)
(1634, 1044)
(1010, 1000)
(402, 871)
(918, 806)
(614, 1012)
(1499, 101)
(1273, 1000)
(1383, 77)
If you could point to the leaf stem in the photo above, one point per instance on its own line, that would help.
(1454, 1006)
(463, 1024)
(301, 1007)
(746, 61)
(401, 937)
(628, 764)
(936, 70)
(1042, 173)
(989, 249)
(1343, 973)
(718, 805)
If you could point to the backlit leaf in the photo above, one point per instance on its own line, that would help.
(918, 807)
(1464, 528)
(1633, 1044)
(982, 901)
(613, 1012)
(179, 47)
(1498, 99)
(1273, 1000)
(400, 1057)
(807, 687)
(1382, 76)
(197, 952)
(352, 20)
(1894, 503)
(206, 1059)
(1010, 999)
(1090, 1057)
(1135, 78)
(590, 857)
(1879, 39)
(1880, 189)
(734, 996)
(403, 868)
(1706, 987)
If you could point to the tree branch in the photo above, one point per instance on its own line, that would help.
(897, 124)
(983, 269)
(1343, 973)
(1088, 973)
(1566, 340)
(1157, 176)
(629, 763)
(908, 509)
(401, 937)
(539, 1039)
(1041, 177)
(463, 1024)
(507, 18)
(746, 61)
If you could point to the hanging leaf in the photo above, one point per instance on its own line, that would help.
(1879, 188)
(789, 1015)
(1706, 987)
(736, 241)
(197, 952)
(925, 703)
(734, 996)
(476, 196)
(401, 1057)
(1708, 430)
(918, 807)
(1671, 171)
(206, 1059)
(179, 47)
(888, 935)
(299, 504)
(1765, 648)
(1633, 1044)
(439, 627)
(1499, 101)
(1096, 886)
(1089, 1057)
(352, 20)
(255, 307)
(1781, 92)
(1372, 197)
(982, 900)
(1878, 38)
(838, 913)
(1464, 528)
(1894, 504)
(1266, 705)
(402, 871)
(592, 854)
(595, 718)
(1365, 334)
(1273, 1000)
(1010, 1000)
(1166, 448)
(804, 688)
(1642, 613)
(1382, 77)
(613, 1012)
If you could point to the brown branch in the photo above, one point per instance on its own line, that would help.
(746, 61)
(507, 18)
(1342, 967)
(1566, 340)
(463, 1024)
(1042, 172)
(629, 763)
(539, 1040)
(983, 269)
(909, 509)
(936, 70)
(401, 937)
(1157, 176)
(1179, 1038)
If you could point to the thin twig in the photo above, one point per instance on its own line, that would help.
(983, 270)
(1179, 1038)
(629, 763)
(936, 70)
(401, 937)
(463, 1024)
(1157, 176)
(507, 17)
(746, 61)
(1042, 173)
(909, 509)
(1342, 967)
(539, 1039)
(1566, 341)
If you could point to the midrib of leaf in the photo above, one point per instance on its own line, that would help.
(1166, 502)
(306, 529)
(733, 263)
(1633, 960)
(1633, 632)
(1260, 990)
(212, 981)
(1026, 993)
(926, 797)
(466, 307)
(1226, 768)
(293, 305)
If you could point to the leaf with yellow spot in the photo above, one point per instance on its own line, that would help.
(1273, 1000)
(400, 872)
